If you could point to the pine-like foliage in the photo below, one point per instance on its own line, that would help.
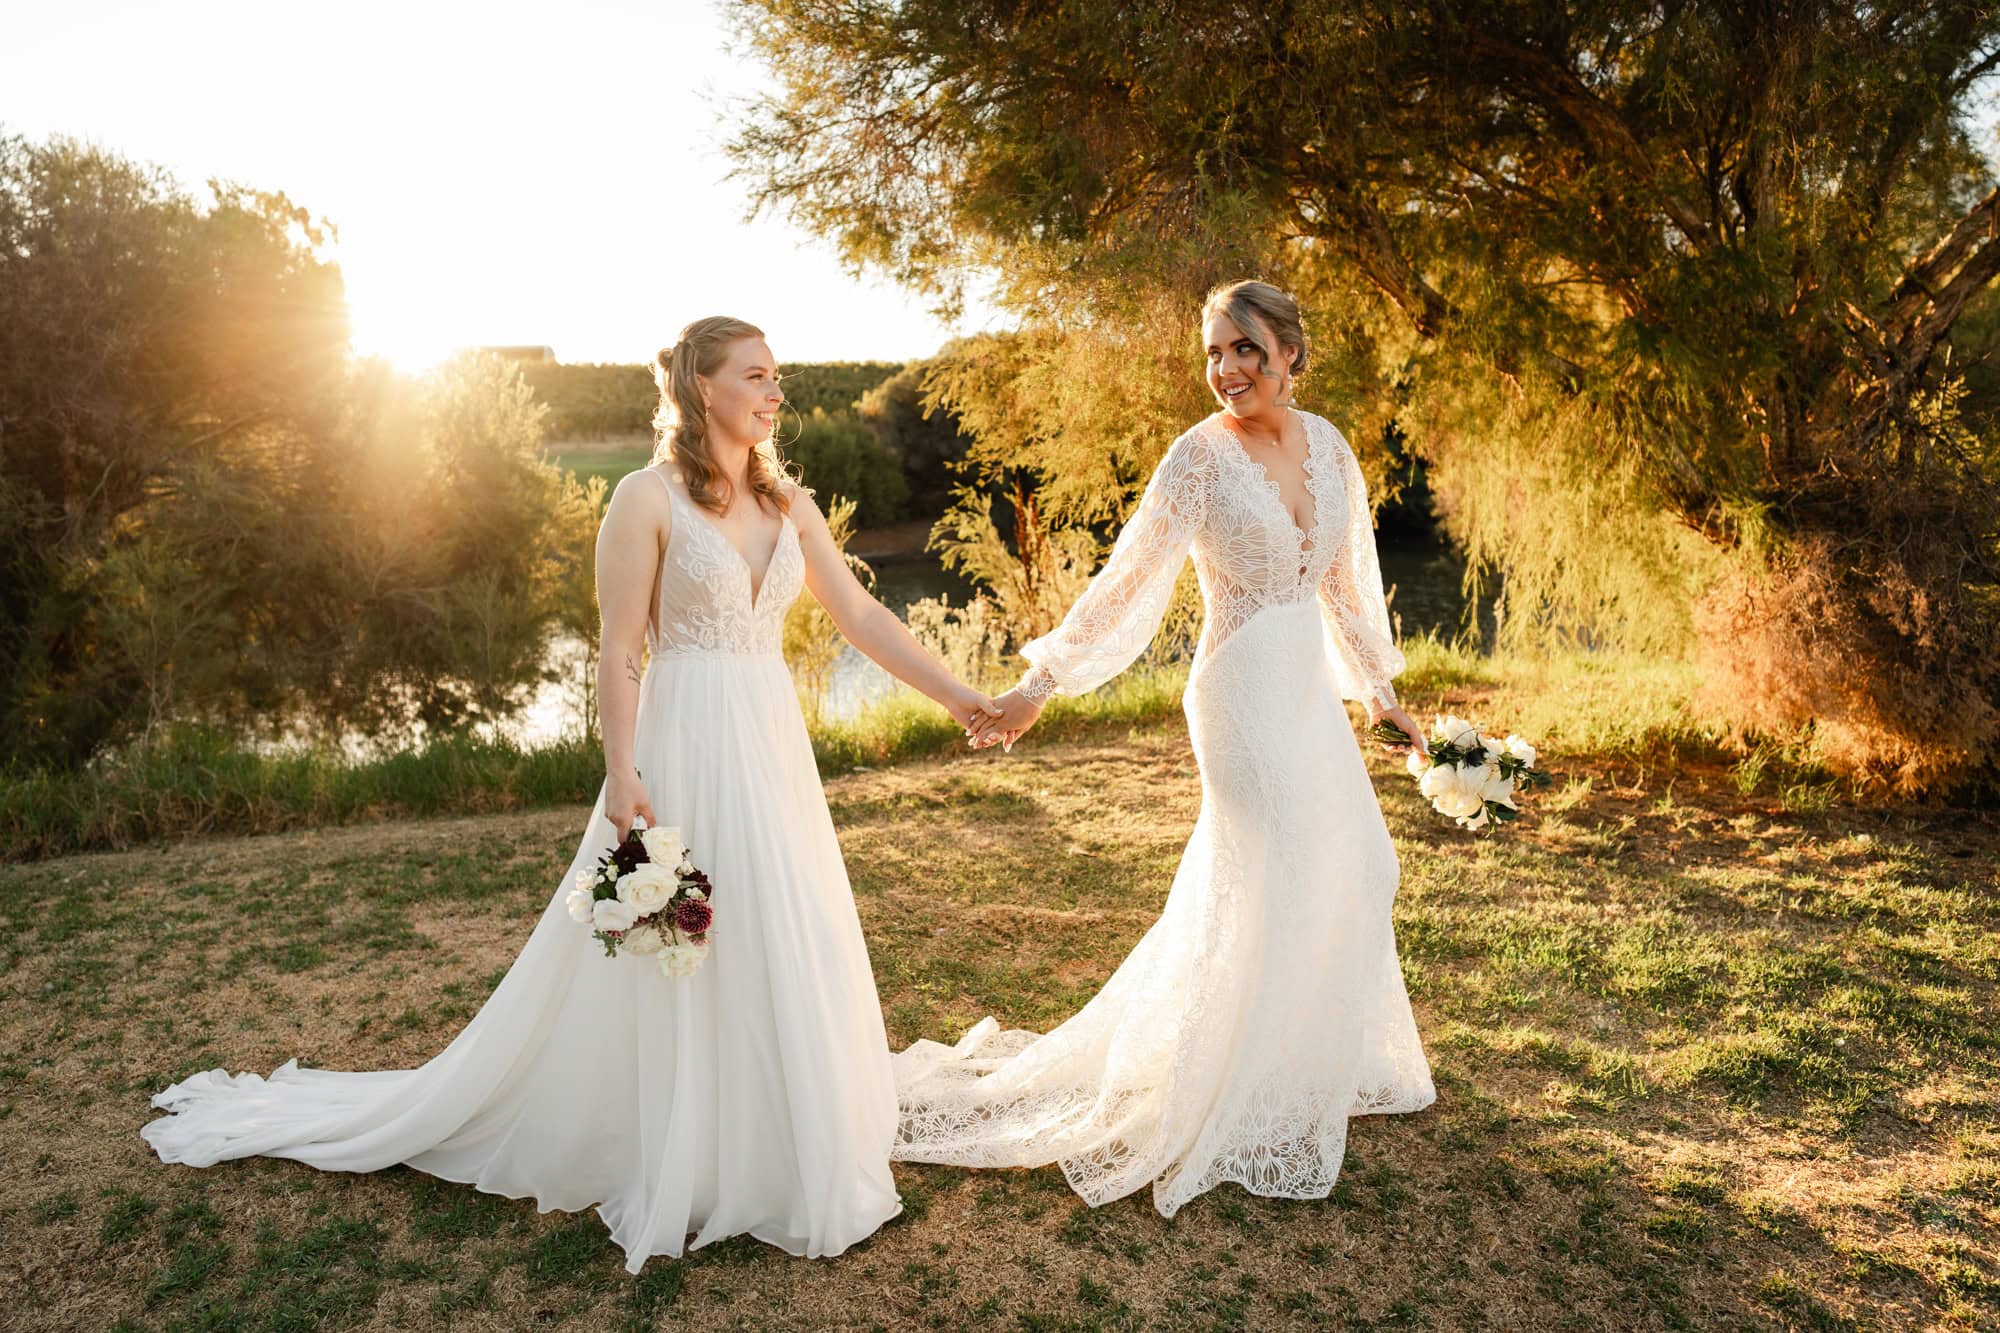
(1673, 300)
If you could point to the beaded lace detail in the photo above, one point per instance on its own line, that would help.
(1210, 496)
(706, 603)
(1266, 1004)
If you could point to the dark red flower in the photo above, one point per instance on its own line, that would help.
(693, 916)
(630, 854)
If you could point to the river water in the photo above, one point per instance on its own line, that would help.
(1421, 577)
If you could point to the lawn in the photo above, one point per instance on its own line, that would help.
(610, 458)
(1704, 1059)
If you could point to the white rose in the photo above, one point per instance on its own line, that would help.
(1434, 782)
(1521, 750)
(646, 888)
(1499, 789)
(1494, 749)
(1418, 763)
(1455, 730)
(1475, 822)
(613, 914)
(1461, 805)
(664, 847)
(643, 940)
(580, 902)
(1459, 796)
(680, 960)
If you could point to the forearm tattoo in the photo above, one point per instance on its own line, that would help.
(632, 669)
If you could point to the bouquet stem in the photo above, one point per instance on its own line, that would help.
(1390, 734)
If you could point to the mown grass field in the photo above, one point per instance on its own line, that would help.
(609, 457)
(1704, 1059)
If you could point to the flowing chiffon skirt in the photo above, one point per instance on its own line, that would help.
(1263, 1008)
(754, 1096)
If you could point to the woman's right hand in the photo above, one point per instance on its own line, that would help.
(625, 798)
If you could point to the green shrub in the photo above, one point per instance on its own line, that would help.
(840, 457)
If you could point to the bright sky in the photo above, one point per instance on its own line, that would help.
(499, 173)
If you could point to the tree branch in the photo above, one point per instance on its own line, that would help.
(1927, 277)
(1559, 89)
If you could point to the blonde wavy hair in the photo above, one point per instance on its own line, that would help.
(680, 422)
(1255, 307)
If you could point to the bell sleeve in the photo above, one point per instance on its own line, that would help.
(1118, 614)
(1359, 641)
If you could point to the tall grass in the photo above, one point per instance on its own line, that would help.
(1604, 703)
(904, 724)
(198, 781)
(195, 781)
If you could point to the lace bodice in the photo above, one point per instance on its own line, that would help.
(705, 602)
(1210, 496)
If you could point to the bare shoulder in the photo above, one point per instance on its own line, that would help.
(647, 485)
(640, 498)
(804, 509)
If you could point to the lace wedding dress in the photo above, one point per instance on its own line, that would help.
(753, 1096)
(1266, 1005)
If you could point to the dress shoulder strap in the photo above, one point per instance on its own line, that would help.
(663, 481)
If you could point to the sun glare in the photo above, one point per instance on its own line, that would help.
(404, 337)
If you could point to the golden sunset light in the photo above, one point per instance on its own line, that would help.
(495, 177)
(1242, 666)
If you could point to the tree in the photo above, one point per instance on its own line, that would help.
(209, 512)
(1672, 300)
(924, 440)
(838, 455)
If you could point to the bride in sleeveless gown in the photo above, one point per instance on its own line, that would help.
(1266, 1005)
(755, 1095)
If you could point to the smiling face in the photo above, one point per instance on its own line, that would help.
(743, 394)
(1238, 373)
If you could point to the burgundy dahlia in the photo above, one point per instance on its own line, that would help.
(693, 916)
(630, 854)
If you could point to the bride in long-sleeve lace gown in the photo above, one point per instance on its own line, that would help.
(1266, 1005)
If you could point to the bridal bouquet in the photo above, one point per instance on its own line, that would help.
(1470, 777)
(646, 897)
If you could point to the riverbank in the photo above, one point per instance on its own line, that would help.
(1702, 1061)
(194, 783)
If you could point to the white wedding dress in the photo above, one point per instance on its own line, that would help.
(1266, 1005)
(753, 1096)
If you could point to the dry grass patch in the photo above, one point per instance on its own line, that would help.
(1703, 1061)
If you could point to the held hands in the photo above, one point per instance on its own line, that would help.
(624, 798)
(971, 709)
(1016, 713)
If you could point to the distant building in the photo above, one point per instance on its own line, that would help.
(539, 356)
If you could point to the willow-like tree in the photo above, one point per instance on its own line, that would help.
(1683, 303)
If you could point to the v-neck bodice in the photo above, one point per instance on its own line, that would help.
(1308, 468)
(1210, 496)
(708, 602)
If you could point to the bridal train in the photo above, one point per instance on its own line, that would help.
(754, 1096)
(1266, 1005)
